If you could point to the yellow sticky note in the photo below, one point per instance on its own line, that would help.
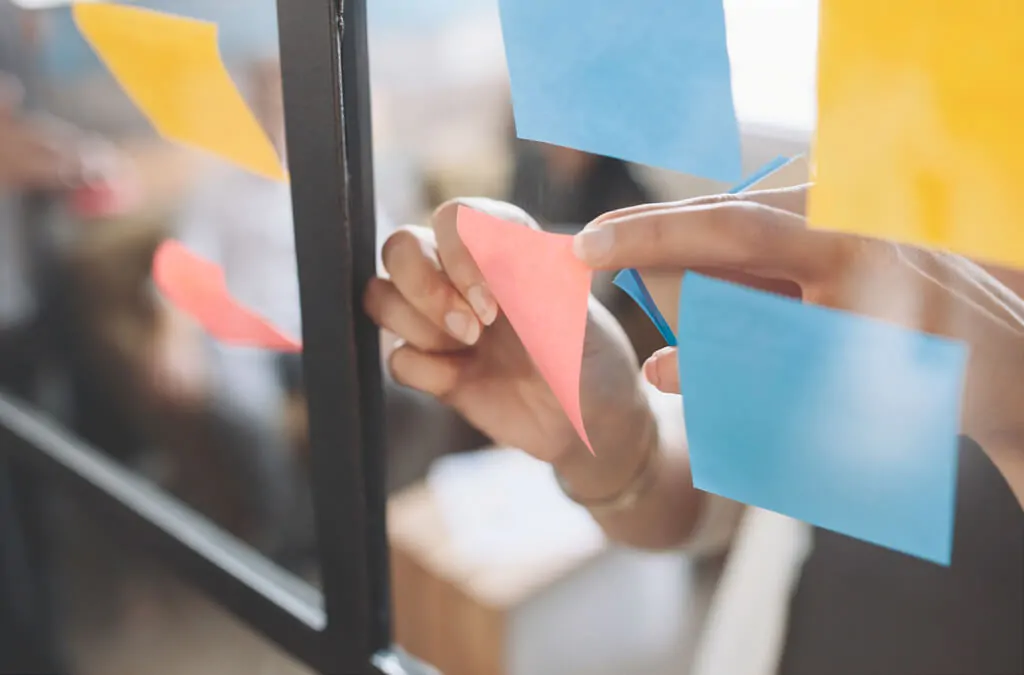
(921, 124)
(171, 68)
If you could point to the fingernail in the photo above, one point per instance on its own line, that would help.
(463, 326)
(651, 371)
(594, 245)
(483, 303)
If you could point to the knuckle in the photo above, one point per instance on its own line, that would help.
(446, 386)
(398, 365)
(851, 254)
(431, 287)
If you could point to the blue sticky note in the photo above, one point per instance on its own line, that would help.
(647, 81)
(631, 282)
(843, 422)
(759, 175)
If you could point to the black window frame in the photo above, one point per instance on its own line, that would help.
(346, 628)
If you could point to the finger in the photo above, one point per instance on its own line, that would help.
(42, 165)
(736, 235)
(409, 255)
(455, 258)
(662, 370)
(434, 374)
(791, 199)
(31, 164)
(46, 154)
(390, 310)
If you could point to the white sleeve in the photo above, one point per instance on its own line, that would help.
(751, 605)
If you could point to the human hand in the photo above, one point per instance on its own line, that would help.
(762, 240)
(175, 364)
(458, 347)
(40, 152)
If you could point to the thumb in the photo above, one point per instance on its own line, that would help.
(662, 370)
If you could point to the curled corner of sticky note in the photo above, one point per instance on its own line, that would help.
(543, 289)
(197, 288)
(630, 282)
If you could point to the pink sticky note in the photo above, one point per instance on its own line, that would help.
(543, 290)
(197, 287)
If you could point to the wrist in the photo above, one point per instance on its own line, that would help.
(624, 461)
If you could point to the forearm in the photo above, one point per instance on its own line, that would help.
(666, 512)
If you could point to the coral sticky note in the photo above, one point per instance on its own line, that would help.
(543, 289)
(841, 421)
(649, 82)
(919, 133)
(197, 288)
(170, 67)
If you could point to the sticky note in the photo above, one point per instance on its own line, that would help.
(780, 172)
(841, 421)
(919, 136)
(543, 290)
(631, 283)
(170, 67)
(648, 84)
(197, 288)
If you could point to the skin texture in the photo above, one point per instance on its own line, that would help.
(755, 241)
(454, 344)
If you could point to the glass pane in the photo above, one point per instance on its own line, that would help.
(93, 194)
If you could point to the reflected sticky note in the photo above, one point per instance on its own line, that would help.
(919, 136)
(543, 289)
(780, 172)
(170, 67)
(650, 85)
(197, 288)
(844, 422)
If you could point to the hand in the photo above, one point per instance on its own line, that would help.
(175, 365)
(458, 347)
(36, 153)
(762, 240)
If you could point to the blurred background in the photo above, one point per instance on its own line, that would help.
(222, 428)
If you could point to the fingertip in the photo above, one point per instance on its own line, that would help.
(483, 303)
(434, 374)
(463, 326)
(662, 370)
(650, 370)
(594, 245)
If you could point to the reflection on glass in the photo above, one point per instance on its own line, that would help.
(84, 203)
